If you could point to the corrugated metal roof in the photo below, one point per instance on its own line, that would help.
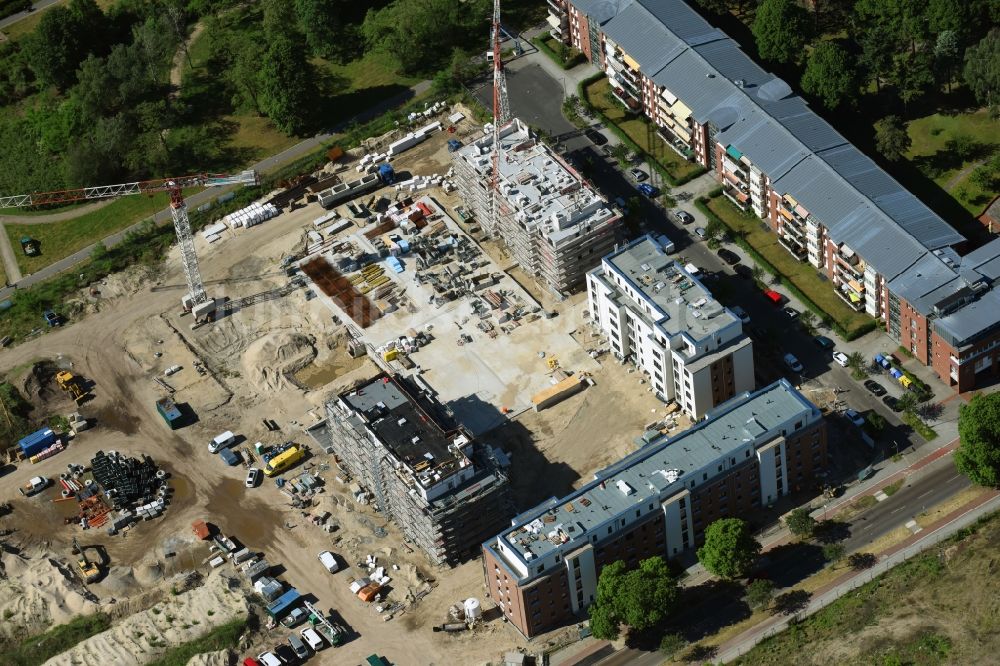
(767, 145)
(649, 42)
(601, 10)
(926, 283)
(683, 21)
(695, 83)
(975, 318)
(810, 129)
(984, 260)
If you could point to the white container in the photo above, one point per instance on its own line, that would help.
(473, 609)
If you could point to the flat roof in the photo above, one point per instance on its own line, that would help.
(544, 192)
(657, 470)
(685, 304)
(408, 425)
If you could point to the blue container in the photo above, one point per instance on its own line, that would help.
(229, 457)
(37, 441)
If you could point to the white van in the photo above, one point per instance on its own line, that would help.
(221, 441)
(327, 559)
(312, 639)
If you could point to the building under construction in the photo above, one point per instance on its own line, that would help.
(415, 463)
(554, 224)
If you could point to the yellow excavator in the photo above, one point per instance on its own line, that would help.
(72, 384)
(89, 571)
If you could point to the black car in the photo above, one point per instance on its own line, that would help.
(596, 137)
(823, 342)
(744, 272)
(729, 256)
(791, 313)
(876, 389)
(892, 403)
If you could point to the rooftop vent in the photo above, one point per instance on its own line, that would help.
(624, 487)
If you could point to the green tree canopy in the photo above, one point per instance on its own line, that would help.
(287, 85)
(982, 69)
(780, 29)
(327, 32)
(639, 598)
(800, 523)
(64, 37)
(831, 75)
(891, 138)
(730, 550)
(978, 453)
(759, 594)
(420, 34)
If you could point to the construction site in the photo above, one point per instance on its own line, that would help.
(309, 303)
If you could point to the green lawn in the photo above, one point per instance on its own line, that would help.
(802, 275)
(38, 649)
(930, 153)
(61, 239)
(638, 129)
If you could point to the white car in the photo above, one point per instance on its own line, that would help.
(327, 559)
(793, 363)
(740, 313)
(841, 359)
(855, 417)
(269, 659)
(253, 478)
(312, 639)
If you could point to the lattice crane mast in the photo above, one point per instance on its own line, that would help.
(501, 117)
(178, 210)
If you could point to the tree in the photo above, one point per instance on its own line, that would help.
(621, 153)
(640, 598)
(856, 362)
(891, 138)
(876, 58)
(907, 403)
(860, 561)
(946, 50)
(325, 29)
(978, 454)
(982, 69)
(833, 551)
(758, 274)
(831, 75)
(730, 549)
(671, 644)
(780, 29)
(64, 37)
(808, 321)
(914, 75)
(287, 85)
(800, 523)
(759, 594)
(420, 34)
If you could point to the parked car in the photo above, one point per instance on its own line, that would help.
(823, 342)
(683, 216)
(51, 318)
(638, 175)
(35, 484)
(740, 313)
(729, 256)
(773, 296)
(312, 639)
(221, 441)
(891, 402)
(876, 389)
(648, 190)
(596, 137)
(295, 617)
(793, 363)
(253, 478)
(700, 232)
(840, 358)
(268, 659)
(285, 654)
(855, 417)
(791, 313)
(744, 272)
(327, 559)
(298, 647)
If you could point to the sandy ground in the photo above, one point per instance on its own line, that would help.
(271, 360)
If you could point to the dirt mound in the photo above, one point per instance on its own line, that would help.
(148, 573)
(220, 658)
(39, 382)
(269, 361)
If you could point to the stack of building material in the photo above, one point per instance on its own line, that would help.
(129, 481)
(47, 452)
(253, 214)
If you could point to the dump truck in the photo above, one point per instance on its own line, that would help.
(72, 384)
(89, 570)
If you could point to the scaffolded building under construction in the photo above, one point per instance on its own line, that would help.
(554, 224)
(445, 491)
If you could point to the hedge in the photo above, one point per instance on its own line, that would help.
(825, 317)
(576, 57)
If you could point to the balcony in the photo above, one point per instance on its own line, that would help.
(740, 199)
(556, 7)
(676, 143)
(794, 248)
(625, 98)
(855, 302)
(789, 229)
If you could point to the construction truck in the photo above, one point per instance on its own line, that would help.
(72, 384)
(89, 571)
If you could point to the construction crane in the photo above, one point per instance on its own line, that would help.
(196, 299)
(501, 117)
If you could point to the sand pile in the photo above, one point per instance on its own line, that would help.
(269, 361)
(36, 593)
(144, 636)
(220, 658)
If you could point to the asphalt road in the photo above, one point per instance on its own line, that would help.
(14, 18)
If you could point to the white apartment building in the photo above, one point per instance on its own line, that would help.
(657, 315)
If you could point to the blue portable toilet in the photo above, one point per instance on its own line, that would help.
(386, 174)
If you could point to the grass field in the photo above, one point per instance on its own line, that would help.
(61, 239)
(637, 129)
(929, 151)
(803, 275)
(937, 608)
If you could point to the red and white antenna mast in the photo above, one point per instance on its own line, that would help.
(501, 117)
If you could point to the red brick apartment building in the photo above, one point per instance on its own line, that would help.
(885, 253)
(542, 571)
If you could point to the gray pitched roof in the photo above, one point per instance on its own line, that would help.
(963, 326)
(650, 43)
